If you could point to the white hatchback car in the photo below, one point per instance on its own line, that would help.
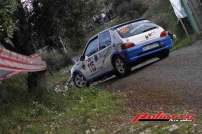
(113, 50)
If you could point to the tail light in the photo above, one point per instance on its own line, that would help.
(163, 34)
(127, 45)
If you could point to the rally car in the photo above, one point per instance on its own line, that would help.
(115, 49)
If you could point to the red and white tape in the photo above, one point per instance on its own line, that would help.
(12, 63)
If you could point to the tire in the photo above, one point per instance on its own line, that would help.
(164, 54)
(120, 67)
(80, 81)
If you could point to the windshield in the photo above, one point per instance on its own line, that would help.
(135, 28)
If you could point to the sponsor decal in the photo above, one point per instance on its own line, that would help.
(161, 116)
(91, 65)
(147, 36)
(123, 29)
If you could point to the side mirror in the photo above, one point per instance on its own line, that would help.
(82, 58)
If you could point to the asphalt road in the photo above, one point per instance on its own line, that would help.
(172, 84)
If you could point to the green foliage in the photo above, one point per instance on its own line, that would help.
(181, 43)
(65, 19)
(77, 111)
(58, 60)
(47, 23)
(73, 112)
(129, 8)
(7, 24)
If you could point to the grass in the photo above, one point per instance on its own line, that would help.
(57, 78)
(83, 111)
(182, 43)
(76, 111)
(186, 41)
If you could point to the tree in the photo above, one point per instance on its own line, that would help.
(7, 25)
(129, 8)
(62, 19)
(43, 23)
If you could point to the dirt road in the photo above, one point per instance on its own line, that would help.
(169, 85)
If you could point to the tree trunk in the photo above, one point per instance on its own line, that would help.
(23, 41)
(37, 83)
(3, 95)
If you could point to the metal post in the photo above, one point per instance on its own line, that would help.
(184, 27)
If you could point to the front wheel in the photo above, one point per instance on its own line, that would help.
(80, 81)
(120, 67)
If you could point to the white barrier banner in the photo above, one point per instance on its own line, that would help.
(178, 9)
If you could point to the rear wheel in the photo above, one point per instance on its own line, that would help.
(164, 54)
(120, 67)
(80, 81)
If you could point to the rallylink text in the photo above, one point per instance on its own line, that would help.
(161, 116)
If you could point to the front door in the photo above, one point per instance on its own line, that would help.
(89, 64)
(104, 54)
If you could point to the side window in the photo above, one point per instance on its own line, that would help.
(92, 47)
(104, 39)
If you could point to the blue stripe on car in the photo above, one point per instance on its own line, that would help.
(136, 52)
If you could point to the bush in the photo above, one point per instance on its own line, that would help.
(74, 111)
(129, 8)
(57, 60)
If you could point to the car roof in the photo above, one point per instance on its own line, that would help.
(116, 26)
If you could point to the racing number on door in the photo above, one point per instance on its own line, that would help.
(91, 65)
